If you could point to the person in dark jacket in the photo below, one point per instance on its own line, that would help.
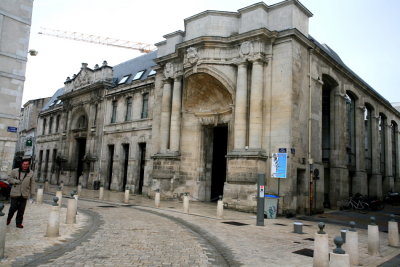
(23, 188)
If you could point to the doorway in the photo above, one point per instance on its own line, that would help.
(81, 145)
(142, 151)
(125, 148)
(218, 169)
(110, 165)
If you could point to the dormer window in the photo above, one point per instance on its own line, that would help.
(124, 79)
(138, 75)
(151, 73)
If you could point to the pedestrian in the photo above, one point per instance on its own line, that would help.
(23, 187)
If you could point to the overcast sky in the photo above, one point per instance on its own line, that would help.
(365, 34)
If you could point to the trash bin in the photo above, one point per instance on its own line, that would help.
(271, 206)
(96, 185)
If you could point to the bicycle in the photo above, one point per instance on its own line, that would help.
(355, 203)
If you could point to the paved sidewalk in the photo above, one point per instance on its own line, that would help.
(139, 234)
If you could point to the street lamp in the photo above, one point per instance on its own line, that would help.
(33, 52)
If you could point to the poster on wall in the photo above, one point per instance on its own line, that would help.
(279, 165)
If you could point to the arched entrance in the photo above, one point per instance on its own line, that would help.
(207, 104)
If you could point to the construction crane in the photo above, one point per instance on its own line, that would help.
(90, 38)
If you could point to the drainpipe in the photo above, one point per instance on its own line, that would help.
(310, 159)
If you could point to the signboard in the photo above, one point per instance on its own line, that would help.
(262, 190)
(28, 142)
(279, 165)
(11, 129)
(282, 150)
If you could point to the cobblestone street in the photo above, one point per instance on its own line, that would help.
(110, 233)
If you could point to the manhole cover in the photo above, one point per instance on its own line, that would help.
(280, 224)
(235, 223)
(129, 205)
(309, 239)
(107, 206)
(305, 252)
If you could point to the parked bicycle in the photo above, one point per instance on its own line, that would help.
(357, 202)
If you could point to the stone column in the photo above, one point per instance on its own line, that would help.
(375, 186)
(387, 180)
(176, 115)
(360, 182)
(240, 126)
(256, 101)
(165, 116)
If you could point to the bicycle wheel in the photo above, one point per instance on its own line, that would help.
(364, 208)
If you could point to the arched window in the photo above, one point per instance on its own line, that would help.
(394, 129)
(382, 143)
(350, 129)
(368, 137)
(82, 123)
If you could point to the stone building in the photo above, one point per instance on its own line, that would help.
(227, 94)
(25, 147)
(15, 24)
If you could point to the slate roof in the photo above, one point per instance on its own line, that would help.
(53, 100)
(133, 66)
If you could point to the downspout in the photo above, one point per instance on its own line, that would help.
(310, 160)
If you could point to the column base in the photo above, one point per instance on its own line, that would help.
(375, 185)
(166, 172)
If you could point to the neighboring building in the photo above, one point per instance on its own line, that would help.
(396, 105)
(25, 147)
(229, 92)
(15, 23)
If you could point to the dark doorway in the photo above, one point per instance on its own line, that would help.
(142, 151)
(81, 144)
(125, 167)
(110, 165)
(218, 174)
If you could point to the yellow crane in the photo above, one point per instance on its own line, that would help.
(90, 38)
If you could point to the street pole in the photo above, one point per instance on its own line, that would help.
(260, 198)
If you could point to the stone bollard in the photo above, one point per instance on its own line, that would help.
(53, 225)
(157, 198)
(393, 232)
(101, 192)
(46, 185)
(61, 185)
(373, 238)
(352, 244)
(71, 210)
(186, 203)
(2, 231)
(79, 189)
(321, 248)
(126, 197)
(39, 195)
(220, 208)
(59, 194)
(298, 227)
(338, 258)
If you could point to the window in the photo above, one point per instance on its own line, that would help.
(114, 111)
(351, 145)
(128, 114)
(124, 79)
(58, 102)
(151, 73)
(145, 106)
(394, 149)
(44, 126)
(58, 123)
(382, 140)
(50, 125)
(138, 75)
(368, 137)
(82, 124)
(95, 114)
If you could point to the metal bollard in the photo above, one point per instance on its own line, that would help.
(339, 258)
(220, 208)
(53, 225)
(393, 232)
(39, 195)
(101, 192)
(321, 248)
(373, 238)
(352, 244)
(2, 231)
(126, 197)
(157, 198)
(59, 194)
(343, 235)
(186, 203)
(71, 210)
(298, 228)
(79, 189)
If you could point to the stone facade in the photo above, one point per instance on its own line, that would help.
(229, 92)
(15, 23)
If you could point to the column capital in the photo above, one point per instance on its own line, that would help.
(258, 58)
(240, 62)
(178, 76)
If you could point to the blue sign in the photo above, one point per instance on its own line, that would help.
(279, 165)
(282, 150)
(11, 129)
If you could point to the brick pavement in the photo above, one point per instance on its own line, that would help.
(142, 235)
